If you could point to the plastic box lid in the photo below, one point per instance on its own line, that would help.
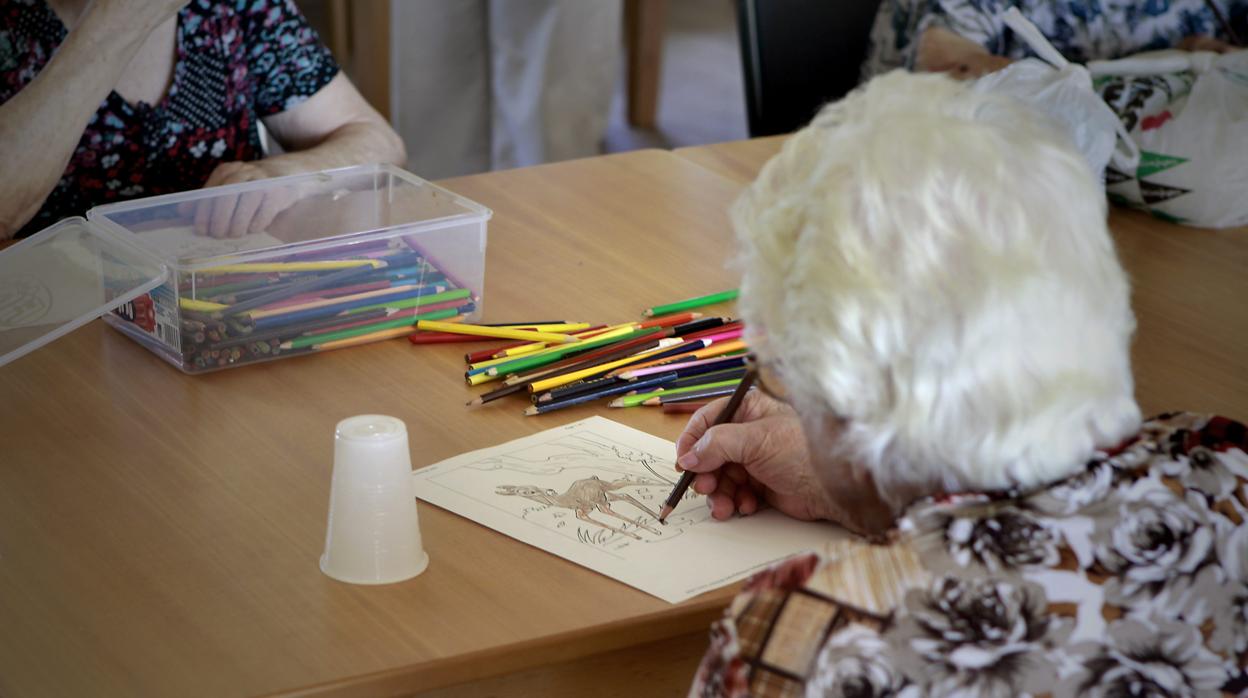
(64, 277)
(296, 213)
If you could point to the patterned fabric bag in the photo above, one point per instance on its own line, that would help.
(1188, 113)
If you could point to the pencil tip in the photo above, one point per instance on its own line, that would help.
(664, 513)
(616, 403)
(475, 402)
(286, 345)
(648, 313)
(530, 411)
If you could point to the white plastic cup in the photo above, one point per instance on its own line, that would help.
(373, 536)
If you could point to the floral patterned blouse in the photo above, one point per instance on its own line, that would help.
(1083, 30)
(237, 61)
(1128, 579)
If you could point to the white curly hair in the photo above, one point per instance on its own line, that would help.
(929, 268)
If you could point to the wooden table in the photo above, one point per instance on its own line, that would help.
(1189, 292)
(159, 533)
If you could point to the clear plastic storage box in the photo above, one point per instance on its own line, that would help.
(251, 272)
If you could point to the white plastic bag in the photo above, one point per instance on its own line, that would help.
(1064, 91)
(1188, 113)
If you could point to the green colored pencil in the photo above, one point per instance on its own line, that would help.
(681, 306)
(636, 400)
(525, 363)
(415, 302)
(313, 340)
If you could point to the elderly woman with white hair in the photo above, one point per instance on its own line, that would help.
(942, 330)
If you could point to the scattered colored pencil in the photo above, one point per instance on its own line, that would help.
(695, 396)
(691, 303)
(539, 359)
(637, 400)
(487, 354)
(503, 332)
(716, 363)
(581, 399)
(365, 339)
(601, 369)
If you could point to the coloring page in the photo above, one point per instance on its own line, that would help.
(590, 492)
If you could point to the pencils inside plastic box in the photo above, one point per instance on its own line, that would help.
(338, 297)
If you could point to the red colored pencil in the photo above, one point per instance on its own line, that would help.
(446, 338)
(671, 320)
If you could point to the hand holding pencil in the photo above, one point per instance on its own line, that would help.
(759, 458)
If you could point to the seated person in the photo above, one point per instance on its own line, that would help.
(107, 100)
(968, 38)
(943, 352)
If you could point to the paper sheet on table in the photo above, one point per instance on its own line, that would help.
(590, 493)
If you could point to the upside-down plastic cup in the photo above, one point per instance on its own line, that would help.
(373, 536)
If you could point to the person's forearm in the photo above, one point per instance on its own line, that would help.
(352, 144)
(42, 124)
(939, 50)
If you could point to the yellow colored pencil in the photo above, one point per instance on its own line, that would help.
(594, 334)
(605, 334)
(561, 327)
(391, 333)
(479, 378)
(268, 267)
(502, 332)
(542, 386)
(200, 306)
(716, 349)
(666, 343)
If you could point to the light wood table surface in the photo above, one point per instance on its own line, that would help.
(159, 533)
(1189, 293)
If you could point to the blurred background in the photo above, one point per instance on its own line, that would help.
(474, 85)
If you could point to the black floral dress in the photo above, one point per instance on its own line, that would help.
(237, 61)
(1127, 579)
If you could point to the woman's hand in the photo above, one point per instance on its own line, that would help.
(236, 216)
(759, 457)
(333, 128)
(942, 51)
